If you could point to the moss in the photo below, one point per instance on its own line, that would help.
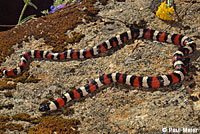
(26, 117)
(14, 126)
(76, 37)
(52, 124)
(22, 117)
(53, 27)
(4, 118)
(2, 126)
(6, 85)
(69, 111)
(32, 79)
(26, 78)
(35, 120)
(104, 2)
(10, 126)
(10, 83)
(8, 94)
(1, 131)
(21, 78)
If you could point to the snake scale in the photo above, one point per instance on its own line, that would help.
(186, 46)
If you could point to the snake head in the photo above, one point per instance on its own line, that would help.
(44, 107)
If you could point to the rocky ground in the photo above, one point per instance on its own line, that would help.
(116, 108)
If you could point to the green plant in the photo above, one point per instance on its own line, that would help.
(59, 2)
(27, 2)
(45, 12)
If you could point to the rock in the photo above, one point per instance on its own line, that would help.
(115, 108)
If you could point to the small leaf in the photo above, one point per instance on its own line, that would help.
(45, 12)
(27, 18)
(33, 5)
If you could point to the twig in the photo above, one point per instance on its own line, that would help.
(7, 25)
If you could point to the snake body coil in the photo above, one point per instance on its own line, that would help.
(186, 45)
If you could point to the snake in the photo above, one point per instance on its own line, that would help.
(185, 45)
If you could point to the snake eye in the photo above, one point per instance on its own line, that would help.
(44, 107)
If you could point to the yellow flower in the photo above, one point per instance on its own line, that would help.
(165, 12)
